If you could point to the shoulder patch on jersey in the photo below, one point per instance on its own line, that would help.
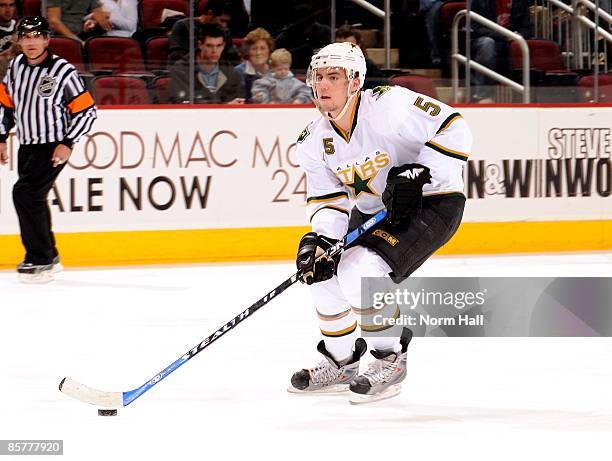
(380, 90)
(303, 135)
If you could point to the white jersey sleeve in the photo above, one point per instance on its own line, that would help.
(327, 202)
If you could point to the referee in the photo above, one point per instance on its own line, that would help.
(45, 97)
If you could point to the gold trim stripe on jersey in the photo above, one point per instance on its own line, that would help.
(449, 121)
(346, 135)
(327, 197)
(446, 151)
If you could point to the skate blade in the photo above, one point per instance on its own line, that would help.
(59, 267)
(36, 279)
(338, 389)
(360, 399)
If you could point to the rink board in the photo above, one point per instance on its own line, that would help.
(223, 184)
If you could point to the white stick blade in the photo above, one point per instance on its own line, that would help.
(89, 395)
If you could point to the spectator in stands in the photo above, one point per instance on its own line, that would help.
(7, 24)
(488, 47)
(240, 20)
(66, 16)
(280, 86)
(213, 82)
(217, 13)
(304, 36)
(258, 44)
(8, 41)
(430, 9)
(121, 18)
(347, 33)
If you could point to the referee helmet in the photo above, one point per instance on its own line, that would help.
(31, 24)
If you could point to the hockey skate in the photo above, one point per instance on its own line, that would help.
(382, 380)
(57, 265)
(328, 377)
(35, 273)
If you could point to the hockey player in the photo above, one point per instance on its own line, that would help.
(387, 147)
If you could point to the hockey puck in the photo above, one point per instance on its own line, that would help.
(107, 412)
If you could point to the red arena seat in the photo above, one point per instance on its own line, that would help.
(31, 7)
(417, 83)
(68, 49)
(447, 14)
(157, 53)
(151, 11)
(161, 89)
(115, 54)
(587, 92)
(544, 55)
(120, 90)
(202, 6)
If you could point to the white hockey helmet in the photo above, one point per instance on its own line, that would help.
(345, 55)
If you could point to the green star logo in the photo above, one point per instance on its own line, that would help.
(361, 185)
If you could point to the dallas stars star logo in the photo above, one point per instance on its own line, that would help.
(361, 185)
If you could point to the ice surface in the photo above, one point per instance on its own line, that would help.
(464, 398)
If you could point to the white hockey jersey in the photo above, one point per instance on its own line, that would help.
(391, 126)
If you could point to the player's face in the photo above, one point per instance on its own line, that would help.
(33, 44)
(211, 49)
(331, 85)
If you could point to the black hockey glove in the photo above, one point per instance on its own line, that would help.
(403, 195)
(312, 270)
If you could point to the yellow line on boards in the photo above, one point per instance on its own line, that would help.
(280, 243)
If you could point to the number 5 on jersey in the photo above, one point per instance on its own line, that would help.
(328, 146)
(426, 106)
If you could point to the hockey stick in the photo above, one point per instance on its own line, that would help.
(92, 396)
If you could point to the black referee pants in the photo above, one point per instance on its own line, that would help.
(36, 178)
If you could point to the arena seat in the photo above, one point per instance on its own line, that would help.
(120, 90)
(551, 82)
(201, 6)
(587, 93)
(115, 54)
(31, 7)
(447, 14)
(69, 49)
(157, 53)
(544, 55)
(161, 90)
(151, 11)
(417, 83)
(238, 42)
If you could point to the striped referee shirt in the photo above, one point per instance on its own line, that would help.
(48, 102)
